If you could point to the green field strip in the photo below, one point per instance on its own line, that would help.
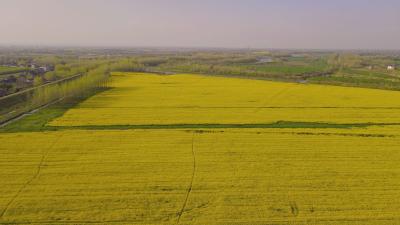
(38, 122)
(38, 126)
(280, 124)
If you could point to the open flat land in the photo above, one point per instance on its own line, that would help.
(191, 149)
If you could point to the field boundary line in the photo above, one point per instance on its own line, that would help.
(36, 175)
(191, 183)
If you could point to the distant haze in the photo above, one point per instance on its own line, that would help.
(311, 24)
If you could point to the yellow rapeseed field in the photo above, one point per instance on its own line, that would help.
(234, 176)
(91, 167)
(138, 99)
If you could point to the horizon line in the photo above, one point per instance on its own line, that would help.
(155, 47)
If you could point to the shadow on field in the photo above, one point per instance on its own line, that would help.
(36, 122)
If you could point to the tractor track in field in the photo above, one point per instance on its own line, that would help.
(36, 175)
(190, 185)
(271, 99)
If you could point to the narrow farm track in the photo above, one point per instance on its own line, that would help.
(33, 178)
(182, 211)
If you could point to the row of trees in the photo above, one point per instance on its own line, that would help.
(68, 79)
(340, 61)
(94, 78)
(19, 103)
(64, 70)
(127, 65)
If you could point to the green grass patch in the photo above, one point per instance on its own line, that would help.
(37, 121)
(8, 70)
(280, 124)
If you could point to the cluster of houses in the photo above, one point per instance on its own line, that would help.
(41, 69)
(11, 83)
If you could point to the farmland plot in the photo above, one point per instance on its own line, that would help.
(234, 176)
(139, 99)
(86, 177)
(96, 165)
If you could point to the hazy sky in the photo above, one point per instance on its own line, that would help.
(345, 24)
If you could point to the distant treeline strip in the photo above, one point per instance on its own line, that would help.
(41, 86)
(25, 101)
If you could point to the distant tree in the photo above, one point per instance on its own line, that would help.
(350, 60)
(38, 80)
(50, 76)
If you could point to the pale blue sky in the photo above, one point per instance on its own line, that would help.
(344, 24)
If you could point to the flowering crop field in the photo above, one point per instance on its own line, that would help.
(139, 99)
(96, 165)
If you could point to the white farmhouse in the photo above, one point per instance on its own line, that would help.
(391, 68)
(44, 68)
